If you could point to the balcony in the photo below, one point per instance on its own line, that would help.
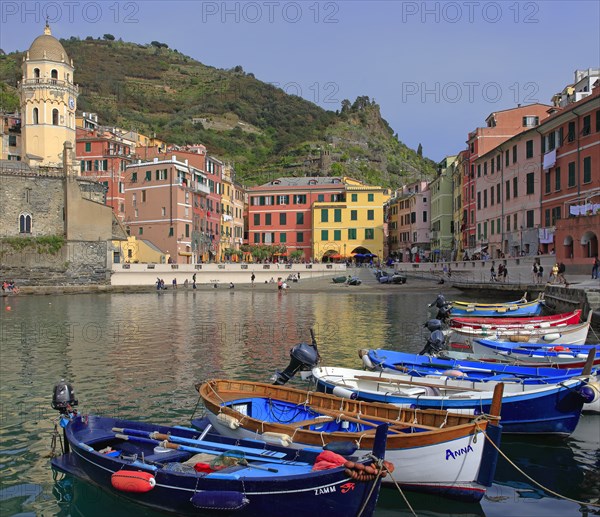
(49, 83)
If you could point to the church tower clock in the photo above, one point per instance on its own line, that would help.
(48, 103)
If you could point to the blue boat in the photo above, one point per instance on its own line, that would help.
(526, 408)
(479, 371)
(512, 310)
(180, 471)
(538, 350)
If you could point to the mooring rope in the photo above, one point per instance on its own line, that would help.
(402, 494)
(560, 496)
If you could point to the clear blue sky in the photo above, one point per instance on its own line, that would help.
(437, 69)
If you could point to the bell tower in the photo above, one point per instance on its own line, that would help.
(48, 102)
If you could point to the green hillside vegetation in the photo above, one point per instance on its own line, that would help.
(264, 131)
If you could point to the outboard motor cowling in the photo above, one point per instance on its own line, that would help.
(63, 398)
(303, 357)
(435, 343)
(433, 325)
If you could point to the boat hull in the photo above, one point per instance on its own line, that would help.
(521, 310)
(447, 469)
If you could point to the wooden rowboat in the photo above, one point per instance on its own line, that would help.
(435, 451)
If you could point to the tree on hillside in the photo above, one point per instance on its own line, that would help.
(420, 151)
(109, 37)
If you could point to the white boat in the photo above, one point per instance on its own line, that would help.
(526, 408)
(561, 334)
(434, 451)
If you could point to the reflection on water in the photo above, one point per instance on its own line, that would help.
(138, 356)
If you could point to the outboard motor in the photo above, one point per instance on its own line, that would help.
(63, 398)
(303, 357)
(439, 302)
(64, 401)
(443, 313)
(443, 307)
(435, 343)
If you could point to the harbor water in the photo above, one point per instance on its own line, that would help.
(138, 356)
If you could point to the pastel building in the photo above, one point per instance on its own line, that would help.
(159, 200)
(441, 189)
(10, 136)
(458, 173)
(410, 234)
(232, 216)
(350, 224)
(570, 199)
(280, 212)
(104, 156)
(507, 184)
(500, 126)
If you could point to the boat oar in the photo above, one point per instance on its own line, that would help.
(196, 450)
(189, 441)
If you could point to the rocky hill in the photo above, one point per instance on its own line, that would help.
(261, 129)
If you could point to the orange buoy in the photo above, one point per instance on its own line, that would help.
(134, 481)
(8, 307)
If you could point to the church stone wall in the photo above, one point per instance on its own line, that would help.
(38, 196)
(77, 263)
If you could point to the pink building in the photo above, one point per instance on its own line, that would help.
(159, 200)
(507, 200)
(409, 235)
(500, 126)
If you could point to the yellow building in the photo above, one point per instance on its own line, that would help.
(134, 251)
(232, 213)
(48, 102)
(351, 225)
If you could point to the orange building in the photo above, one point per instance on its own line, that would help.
(570, 141)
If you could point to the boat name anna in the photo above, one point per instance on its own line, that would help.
(459, 452)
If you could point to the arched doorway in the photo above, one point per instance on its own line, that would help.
(568, 247)
(362, 255)
(589, 241)
(331, 256)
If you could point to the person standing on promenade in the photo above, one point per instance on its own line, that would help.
(252, 278)
(492, 273)
(596, 268)
(194, 281)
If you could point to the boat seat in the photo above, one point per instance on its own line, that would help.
(312, 421)
(173, 456)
